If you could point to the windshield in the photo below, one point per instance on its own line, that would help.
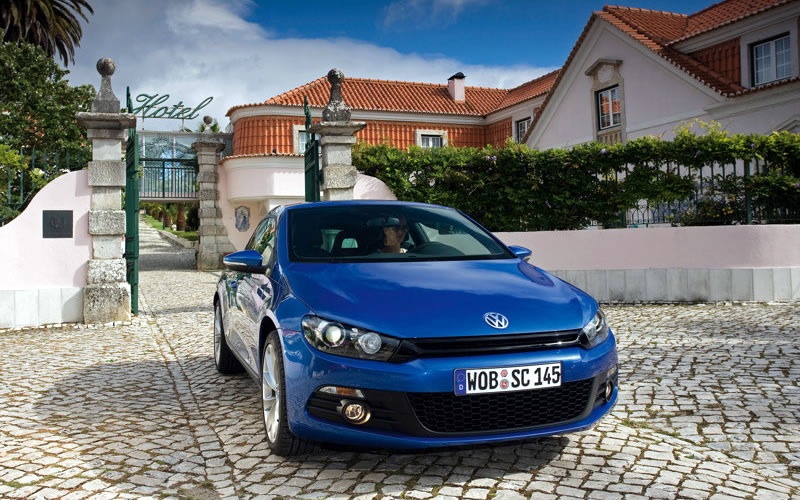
(387, 232)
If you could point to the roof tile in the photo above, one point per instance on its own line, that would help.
(387, 95)
(657, 30)
(723, 13)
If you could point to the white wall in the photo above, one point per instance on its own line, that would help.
(658, 97)
(42, 279)
(673, 264)
(262, 183)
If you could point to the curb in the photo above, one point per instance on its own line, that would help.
(177, 239)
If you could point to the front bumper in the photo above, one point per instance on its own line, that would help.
(413, 405)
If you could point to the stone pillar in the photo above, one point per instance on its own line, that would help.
(214, 242)
(337, 136)
(107, 296)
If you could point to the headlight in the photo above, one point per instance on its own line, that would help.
(596, 331)
(343, 340)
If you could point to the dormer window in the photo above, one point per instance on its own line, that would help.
(608, 108)
(521, 127)
(772, 60)
(607, 97)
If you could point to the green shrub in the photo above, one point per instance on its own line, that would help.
(515, 188)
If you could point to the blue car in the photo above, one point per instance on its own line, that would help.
(406, 325)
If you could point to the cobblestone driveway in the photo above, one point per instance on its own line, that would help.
(709, 409)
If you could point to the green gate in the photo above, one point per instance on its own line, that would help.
(132, 214)
(313, 174)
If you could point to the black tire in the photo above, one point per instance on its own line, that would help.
(224, 358)
(273, 402)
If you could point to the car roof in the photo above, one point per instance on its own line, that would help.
(339, 203)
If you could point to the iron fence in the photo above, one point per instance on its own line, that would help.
(168, 179)
(21, 185)
(743, 192)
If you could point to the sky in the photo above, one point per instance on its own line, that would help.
(246, 51)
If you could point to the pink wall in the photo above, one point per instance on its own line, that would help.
(712, 247)
(31, 261)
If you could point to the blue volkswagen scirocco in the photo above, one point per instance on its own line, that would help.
(406, 325)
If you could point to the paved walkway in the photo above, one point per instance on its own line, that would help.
(710, 408)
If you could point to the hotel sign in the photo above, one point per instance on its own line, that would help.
(153, 106)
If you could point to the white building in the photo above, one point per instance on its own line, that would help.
(636, 72)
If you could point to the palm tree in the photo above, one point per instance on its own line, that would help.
(53, 25)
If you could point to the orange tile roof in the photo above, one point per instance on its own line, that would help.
(659, 26)
(654, 30)
(657, 30)
(724, 13)
(410, 97)
(529, 90)
(388, 95)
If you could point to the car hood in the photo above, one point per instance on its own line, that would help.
(440, 299)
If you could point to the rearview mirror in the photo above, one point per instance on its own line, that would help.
(245, 261)
(521, 252)
(383, 222)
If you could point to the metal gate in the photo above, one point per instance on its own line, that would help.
(132, 215)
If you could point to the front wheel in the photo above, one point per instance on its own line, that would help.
(273, 402)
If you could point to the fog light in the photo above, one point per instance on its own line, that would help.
(609, 390)
(355, 412)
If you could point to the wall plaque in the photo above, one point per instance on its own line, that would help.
(57, 224)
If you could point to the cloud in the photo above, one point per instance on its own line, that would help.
(205, 18)
(423, 14)
(193, 49)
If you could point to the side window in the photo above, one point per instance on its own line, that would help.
(266, 243)
(263, 240)
(258, 234)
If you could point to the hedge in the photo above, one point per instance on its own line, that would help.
(515, 188)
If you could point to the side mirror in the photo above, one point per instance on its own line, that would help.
(245, 261)
(521, 252)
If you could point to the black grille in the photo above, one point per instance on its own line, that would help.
(488, 344)
(444, 412)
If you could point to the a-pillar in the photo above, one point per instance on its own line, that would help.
(214, 242)
(107, 296)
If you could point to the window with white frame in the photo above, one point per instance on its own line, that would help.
(608, 108)
(521, 128)
(431, 141)
(300, 139)
(431, 138)
(771, 60)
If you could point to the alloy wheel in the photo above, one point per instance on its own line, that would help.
(217, 334)
(270, 393)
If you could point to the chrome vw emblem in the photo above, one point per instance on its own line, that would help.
(496, 320)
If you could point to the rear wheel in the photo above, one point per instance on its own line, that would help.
(224, 358)
(273, 402)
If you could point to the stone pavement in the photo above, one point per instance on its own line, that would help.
(709, 408)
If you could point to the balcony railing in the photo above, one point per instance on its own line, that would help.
(168, 179)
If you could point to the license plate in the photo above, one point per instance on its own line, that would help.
(507, 379)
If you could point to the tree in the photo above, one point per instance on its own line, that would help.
(52, 25)
(11, 165)
(37, 105)
(37, 114)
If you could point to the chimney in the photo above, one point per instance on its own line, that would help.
(455, 85)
